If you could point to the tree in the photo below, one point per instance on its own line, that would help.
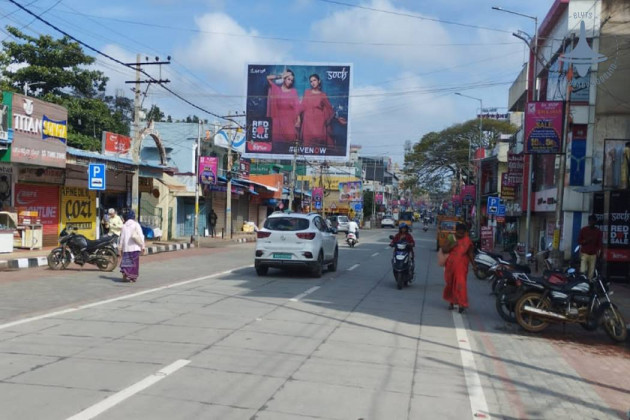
(368, 203)
(155, 114)
(444, 155)
(59, 65)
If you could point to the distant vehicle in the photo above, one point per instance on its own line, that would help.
(407, 217)
(340, 223)
(295, 240)
(445, 227)
(388, 221)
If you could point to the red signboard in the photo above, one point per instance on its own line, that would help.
(116, 144)
(44, 199)
(487, 238)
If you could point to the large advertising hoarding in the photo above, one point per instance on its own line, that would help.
(39, 132)
(307, 105)
(350, 191)
(544, 127)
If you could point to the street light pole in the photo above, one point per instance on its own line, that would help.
(534, 91)
(196, 172)
(478, 189)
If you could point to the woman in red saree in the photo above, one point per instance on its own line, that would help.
(460, 252)
(316, 114)
(282, 107)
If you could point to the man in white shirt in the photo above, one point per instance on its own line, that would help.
(115, 223)
(353, 227)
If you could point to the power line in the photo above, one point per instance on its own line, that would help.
(117, 61)
(391, 12)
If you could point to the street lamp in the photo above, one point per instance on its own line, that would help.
(534, 90)
(478, 192)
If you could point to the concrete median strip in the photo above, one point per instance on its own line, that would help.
(32, 262)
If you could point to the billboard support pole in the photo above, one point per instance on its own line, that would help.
(293, 175)
(196, 171)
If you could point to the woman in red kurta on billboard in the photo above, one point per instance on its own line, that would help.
(316, 113)
(460, 252)
(282, 107)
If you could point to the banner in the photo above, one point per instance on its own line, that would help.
(116, 144)
(468, 195)
(379, 198)
(516, 167)
(487, 238)
(619, 227)
(350, 191)
(318, 197)
(508, 189)
(208, 170)
(544, 123)
(78, 210)
(234, 136)
(298, 104)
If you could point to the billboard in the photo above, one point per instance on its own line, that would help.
(303, 104)
(544, 127)
(350, 191)
(208, 170)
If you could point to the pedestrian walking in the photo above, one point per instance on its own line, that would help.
(212, 222)
(590, 241)
(131, 246)
(460, 252)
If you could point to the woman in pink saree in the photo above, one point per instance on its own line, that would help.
(316, 114)
(282, 107)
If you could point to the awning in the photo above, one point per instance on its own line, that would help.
(272, 189)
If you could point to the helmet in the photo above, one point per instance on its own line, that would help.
(403, 226)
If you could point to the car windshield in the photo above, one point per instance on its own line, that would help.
(286, 223)
(448, 225)
(343, 219)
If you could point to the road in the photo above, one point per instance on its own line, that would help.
(201, 336)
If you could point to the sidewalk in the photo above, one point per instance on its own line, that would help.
(24, 258)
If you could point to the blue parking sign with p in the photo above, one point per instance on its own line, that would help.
(493, 205)
(96, 176)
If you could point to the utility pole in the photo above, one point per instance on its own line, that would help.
(196, 172)
(293, 175)
(137, 137)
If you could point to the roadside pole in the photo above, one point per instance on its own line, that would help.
(196, 172)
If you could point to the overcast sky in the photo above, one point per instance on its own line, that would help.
(408, 56)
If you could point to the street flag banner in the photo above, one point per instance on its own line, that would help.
(298, 104)
(208, 170)
(544, 123)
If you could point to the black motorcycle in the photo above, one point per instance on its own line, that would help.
(75, 247)
(582, 301)
(402, 264)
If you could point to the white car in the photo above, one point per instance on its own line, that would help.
(289, 240)
(387, 221)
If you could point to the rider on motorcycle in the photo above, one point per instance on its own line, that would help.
(404, 235)
(353, 227)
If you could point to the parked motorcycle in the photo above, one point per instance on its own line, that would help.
(402, 264)
(351, 239)
(583, 301)
(75, 247)
(484, 260)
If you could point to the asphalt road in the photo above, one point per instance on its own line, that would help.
(201, 336)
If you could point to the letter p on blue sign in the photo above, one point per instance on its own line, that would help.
(96, 176)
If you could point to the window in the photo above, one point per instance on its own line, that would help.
(288, 224)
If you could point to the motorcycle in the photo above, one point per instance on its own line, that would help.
(402, 264)
(425, 226)
(351, 239)
(582, 301)
(102, 252)
(484, 260)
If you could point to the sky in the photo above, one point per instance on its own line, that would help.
(408, 57)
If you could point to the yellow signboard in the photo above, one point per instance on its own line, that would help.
(78, 210)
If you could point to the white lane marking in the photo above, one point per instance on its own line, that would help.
(102, 302)
(353, 267)
(476, 396)
(301, 295)
(109, 402)
(375, 254)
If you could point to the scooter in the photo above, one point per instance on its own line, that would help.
(425, 226)
(351, 239)
(402, 264)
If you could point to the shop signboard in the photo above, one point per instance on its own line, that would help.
(315, 96)
(508, 189)
(516, 166)
(618, 249)
(116, 144)
(544, 122)
(78, 210)
(487, 238)
(39, 132)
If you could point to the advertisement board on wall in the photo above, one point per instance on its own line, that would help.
(544, 122)
(303, 103)
(350, 191)
(116, 144)
(44, 199)
(78, 210)
(208, 170)
(39, 132)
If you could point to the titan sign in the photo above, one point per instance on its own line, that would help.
(303, 106)
(39, 132)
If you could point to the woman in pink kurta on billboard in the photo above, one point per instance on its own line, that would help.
(282, 107)
(316, 114)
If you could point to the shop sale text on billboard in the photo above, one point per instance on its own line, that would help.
(544, 127)
(298, 104)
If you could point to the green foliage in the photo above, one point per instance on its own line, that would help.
(57, 64)
(368, 203)
(441, 156)
(155, 114)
